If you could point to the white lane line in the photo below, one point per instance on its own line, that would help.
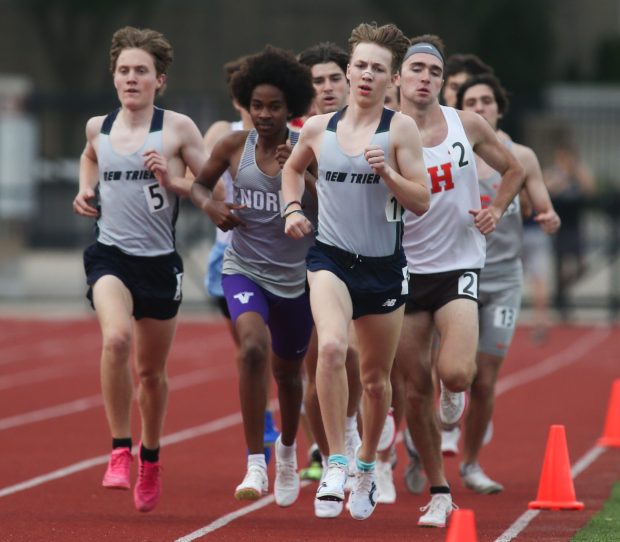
(180, 436)
(51, 372)
(572, 354)
(551, 364)
(518, 526)
(229, 518)
(48, 413)
(191, 350)
(235, 419)
(547, 366)
(57, 346)
(178, 382)
(54, 475)
(586, 460)
(35, 350)
(527, 517)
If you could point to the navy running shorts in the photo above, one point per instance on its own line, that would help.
(377, 285)
(153, 281)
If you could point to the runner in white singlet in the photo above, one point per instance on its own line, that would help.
(445, 252)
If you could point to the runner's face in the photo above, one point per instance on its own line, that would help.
(331, 87)
(421, 78)
(268, 110)
(452, 86)
(369, 73)
(481, 100)
(136, 79)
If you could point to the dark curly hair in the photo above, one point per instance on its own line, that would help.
(488, 79)
(465, 62)
(277, 67)
(324, 52)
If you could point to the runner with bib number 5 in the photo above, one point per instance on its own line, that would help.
(137, 156)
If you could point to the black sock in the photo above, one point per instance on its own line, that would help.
(152, 456)
(437, 490)
(121, 443)
(316, 456)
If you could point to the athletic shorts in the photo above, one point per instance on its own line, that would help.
(153, 281)
(429, 292)
(289, 319)
(500, 295)
(376, 285)
(223, 306)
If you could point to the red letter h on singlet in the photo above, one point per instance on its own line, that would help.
(437, 179)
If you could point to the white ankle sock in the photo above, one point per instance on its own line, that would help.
(258, 460)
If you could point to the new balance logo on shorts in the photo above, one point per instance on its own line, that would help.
(389, 303)
(243, 297)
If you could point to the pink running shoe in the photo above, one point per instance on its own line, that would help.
(147, 492)
(117, 474)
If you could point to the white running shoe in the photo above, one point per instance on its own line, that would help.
(352, 442)
(331, 487)
(451, 405)
(474, 478)
(488, 433)
(450, 441)
(388, 433)
(287, 485)
(327, 509)
(386, 492)
(254, 485)
(415, 479)
(438, 511)
(329, 506)
(363, 497)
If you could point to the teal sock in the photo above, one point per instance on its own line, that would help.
(363, 466)
(339, 459)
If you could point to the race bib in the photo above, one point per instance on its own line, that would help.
(393, 209)
(468, 284)
(504, 317)
(156, 197)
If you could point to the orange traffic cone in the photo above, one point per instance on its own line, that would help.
(611, 433)
(555, 489)
(462, 527)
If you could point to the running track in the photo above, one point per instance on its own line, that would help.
(54, 443)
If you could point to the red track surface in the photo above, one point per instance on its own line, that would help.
(55, 364)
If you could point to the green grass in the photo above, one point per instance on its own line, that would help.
(604, 526)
